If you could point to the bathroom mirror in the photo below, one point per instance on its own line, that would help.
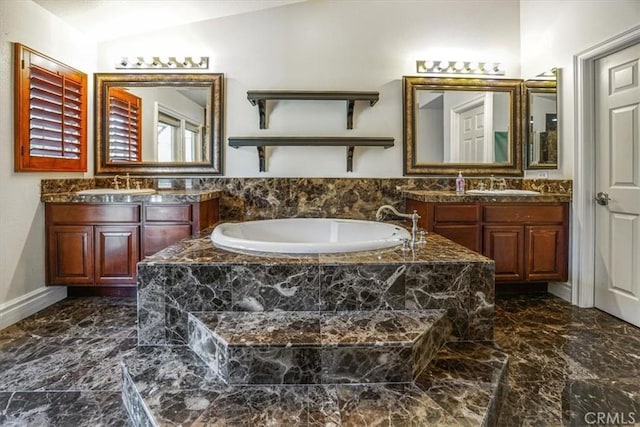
(158, 124)
(541, 124)
(462, 124)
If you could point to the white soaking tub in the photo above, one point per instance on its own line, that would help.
(307, 235)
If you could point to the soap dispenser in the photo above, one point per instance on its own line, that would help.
(460, 184)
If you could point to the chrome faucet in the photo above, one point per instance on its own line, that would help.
(413, 216)
(502, 183)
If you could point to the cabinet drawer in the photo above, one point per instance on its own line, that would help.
(76, 213)
(158, 237)
(167, 213)
(524, 213)
(456, 213)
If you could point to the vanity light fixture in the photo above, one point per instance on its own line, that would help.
(154, 62)
(548, 74)
(460, 67)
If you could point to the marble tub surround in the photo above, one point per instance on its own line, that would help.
(433, 399)
(268, 198)
(318, 347)
(194, 276)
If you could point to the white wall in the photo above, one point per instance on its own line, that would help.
(551, 33)
(331, 45)
(314, 45)
(21, 213)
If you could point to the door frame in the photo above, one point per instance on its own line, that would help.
(583, 216)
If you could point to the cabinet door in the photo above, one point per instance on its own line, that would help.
(70, 255)
(545, 257)
(504, 244)
(116, 254)
(157, 237)
(466, 235)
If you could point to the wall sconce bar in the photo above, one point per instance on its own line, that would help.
(551, 74)
(156, 62)
(460, 67)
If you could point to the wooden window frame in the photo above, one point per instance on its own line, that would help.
(128, 108)
(66, 130)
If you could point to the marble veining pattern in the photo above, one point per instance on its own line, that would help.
(543, 331)
(317, 347)
(267, 198)
(451, 196)
(194, 276)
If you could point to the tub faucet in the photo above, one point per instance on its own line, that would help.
(413, 216)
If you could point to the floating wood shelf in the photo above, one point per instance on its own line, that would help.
(293, 141)
(260, 98)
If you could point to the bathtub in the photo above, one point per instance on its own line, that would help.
(307, 235)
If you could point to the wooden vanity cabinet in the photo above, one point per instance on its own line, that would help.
(527, 241)
(91, 244)
(165, 224)
(459, 222)
(98, 245)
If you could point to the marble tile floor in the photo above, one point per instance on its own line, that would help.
(62, 367)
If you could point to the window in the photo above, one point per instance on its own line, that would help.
(178, 137)
(50, 114)
(124, 115)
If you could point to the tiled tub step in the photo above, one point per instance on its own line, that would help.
(318, 347)
(463, 386)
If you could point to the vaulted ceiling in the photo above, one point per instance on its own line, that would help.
(108, 19)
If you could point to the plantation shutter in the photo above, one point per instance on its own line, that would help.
(125, 126)
(51, 114)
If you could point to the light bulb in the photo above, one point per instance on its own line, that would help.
(443, 65)
(428, 65)
(473, 66)
(458, 66)
(196, 60)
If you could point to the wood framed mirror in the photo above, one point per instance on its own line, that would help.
(541, 123)
(158, 124)
(462, 124)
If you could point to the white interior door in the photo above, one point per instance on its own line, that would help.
(617, 255)
(472, 135)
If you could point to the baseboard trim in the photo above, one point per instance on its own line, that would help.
(24, 306)
(561, 290)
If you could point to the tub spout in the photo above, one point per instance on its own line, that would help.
(413, 216)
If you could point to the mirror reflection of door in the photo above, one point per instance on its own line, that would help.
(471, 130)
(124, 112)
(456, 126)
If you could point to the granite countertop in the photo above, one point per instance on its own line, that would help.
(200, 250)
(160, 196)
(452, 197)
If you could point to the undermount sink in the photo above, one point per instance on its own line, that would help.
(511, 192)
(123, 191)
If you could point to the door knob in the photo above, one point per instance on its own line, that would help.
(602, 198)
